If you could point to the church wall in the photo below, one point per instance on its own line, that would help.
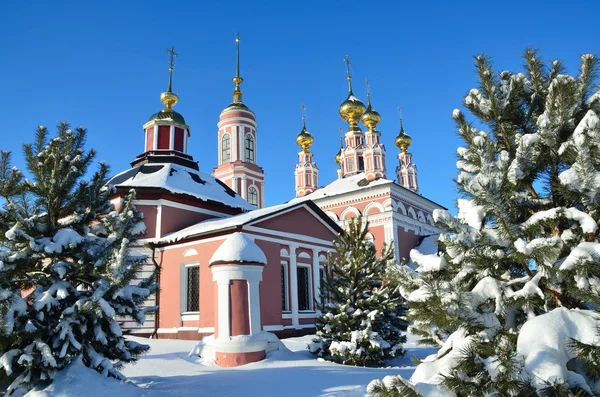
(149, 212)
(174, 219)
(270, 287)
(299, 221)
(407, 240)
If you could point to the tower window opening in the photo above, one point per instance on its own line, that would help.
(253, 196)
(361, 164)
(350, 165)
(225, 149)
(249, 148)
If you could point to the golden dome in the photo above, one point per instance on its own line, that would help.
(352, 109)
(169, 99)
(304, 140)
(371, 117)
(338, 157)
(403, 140)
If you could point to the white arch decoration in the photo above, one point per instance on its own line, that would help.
(190, 252)
(430, 219)
(332, 215)
(371, 206)
(304, 255)
(421, 216)
(349, 210)
(322, 258)
(284, 252)
(401, 207)
(389, 204)
(412, 213)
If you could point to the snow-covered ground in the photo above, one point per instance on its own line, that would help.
(167, 370)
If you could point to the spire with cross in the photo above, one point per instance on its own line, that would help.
(303, 115)
(172, 55)
(400, 114)
(349, 71)
(237, 80)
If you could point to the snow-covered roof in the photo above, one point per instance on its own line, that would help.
(179, 179)
(238, 248)
(344, 185)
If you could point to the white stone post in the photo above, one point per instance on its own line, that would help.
(254, 306)
(223, 308)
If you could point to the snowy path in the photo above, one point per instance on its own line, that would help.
(292, 372)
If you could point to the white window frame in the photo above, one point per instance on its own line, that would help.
(257, 195)
(221, 146)
(311, 307)
(247, 150)
(285, 266)
(185, 315)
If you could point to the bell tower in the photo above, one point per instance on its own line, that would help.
(352, 156)
(238, 165)
(406, 172)
(306, 172)
(374, 152)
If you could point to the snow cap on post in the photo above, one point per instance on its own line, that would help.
(238, 248)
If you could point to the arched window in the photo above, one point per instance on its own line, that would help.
(253, 196)
(249, 148)
(225, 149)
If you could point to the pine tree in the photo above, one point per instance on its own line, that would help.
(363, 319)
(524, 248)
(65, 264)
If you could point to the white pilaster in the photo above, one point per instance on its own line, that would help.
(172, 138)
(294, 286)
(155, 128)
(158, 221)
(316, 277)
(223, 308)
(254, 307)
(396, 242)
(244, 193)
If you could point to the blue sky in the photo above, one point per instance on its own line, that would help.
(103, 65)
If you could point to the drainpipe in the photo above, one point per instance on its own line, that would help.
(154, 334)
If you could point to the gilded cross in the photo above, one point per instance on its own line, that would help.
(348, 65)
(400, 112)
(368, 86)
(237, 38)
(172, 56)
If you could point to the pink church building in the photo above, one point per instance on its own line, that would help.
(237, 274)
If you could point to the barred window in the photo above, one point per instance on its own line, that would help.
(350, 165)
(249, 148)
(303, 288)
(193, 289)
(225, 149)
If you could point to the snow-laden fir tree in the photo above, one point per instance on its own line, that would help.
(362, 321)
(514, 301)
(65, 264)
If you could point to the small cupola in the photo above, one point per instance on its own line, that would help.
(166, 133)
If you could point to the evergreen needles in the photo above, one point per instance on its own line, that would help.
(66, 266)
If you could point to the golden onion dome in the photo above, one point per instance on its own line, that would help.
(338, 157)
(352, 109)
(304, 139)
(403, 140)
(371, 117)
